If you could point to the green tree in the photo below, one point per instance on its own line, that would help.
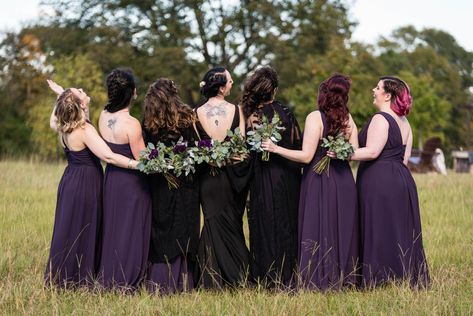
(70, 71)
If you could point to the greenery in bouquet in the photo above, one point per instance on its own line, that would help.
(182, 160)
(156, 159)
(219, 153)
(340, 145)
(268, 129)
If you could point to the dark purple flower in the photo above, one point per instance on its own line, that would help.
(227, 138)
(179, 148)
(153, 154)
(204, 143)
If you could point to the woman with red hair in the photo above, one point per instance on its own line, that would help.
(328, 215)
(389, 206)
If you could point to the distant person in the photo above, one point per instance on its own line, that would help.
(126, 198)
(389, 206)
(328, 211)
(223, 256)
(175, 217)
(75, 245)
(274, 187)
(438, 161)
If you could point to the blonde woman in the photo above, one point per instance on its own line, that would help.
(75, 248)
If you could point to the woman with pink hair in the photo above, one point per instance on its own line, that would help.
(391, 234)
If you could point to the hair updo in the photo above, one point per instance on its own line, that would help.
(259, 88)
(164, 108)
(401, 99)
(212, 81)
(68, 112)
(333, 102)
(120, 89)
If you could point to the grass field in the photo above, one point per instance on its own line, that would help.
(27, 201)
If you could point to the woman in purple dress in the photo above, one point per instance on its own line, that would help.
(75, 245)
(389, 207)
(126, 199)
(328, 214)
(274, 188)
(175, 212)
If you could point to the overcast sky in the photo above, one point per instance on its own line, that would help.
(375, 17)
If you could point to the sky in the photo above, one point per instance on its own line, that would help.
(375, 17)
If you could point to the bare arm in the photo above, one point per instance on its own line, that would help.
(312, 133)
(354, 134)
(53, 120)
(376, 140)
(407, 153)
(57, 89)
(242, 121)
(98, 146)
(135, 138)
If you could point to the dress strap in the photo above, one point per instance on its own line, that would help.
(324, 123)
(236, 118)
(392, 123)
(63, 141)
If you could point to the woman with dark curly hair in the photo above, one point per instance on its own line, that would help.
(223, 255)
(274, 188)
(126, 199)
(328, 216)
(389, 206)
(175, 212)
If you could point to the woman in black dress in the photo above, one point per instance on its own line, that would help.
(274, 188)
(223, 255)
(175, 212)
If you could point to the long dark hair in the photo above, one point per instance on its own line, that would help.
(120, 89)
(259, 88)
(212, 81)
(333, 101)
(164, 108)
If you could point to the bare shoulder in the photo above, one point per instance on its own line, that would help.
(314, 117)
(133, 122)
(89, 129)
(379, 122)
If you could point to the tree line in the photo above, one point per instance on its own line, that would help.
(80, 41)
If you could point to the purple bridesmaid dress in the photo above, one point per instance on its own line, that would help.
(328, 225)
(75, 247)
(390, 219)
(126, 225)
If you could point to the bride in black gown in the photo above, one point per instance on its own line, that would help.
(274, 187)
(223, 256)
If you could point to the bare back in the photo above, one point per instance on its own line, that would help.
(217, 118)
(122, 128)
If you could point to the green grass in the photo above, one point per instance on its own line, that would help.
(27, 202)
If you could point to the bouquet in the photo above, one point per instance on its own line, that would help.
(156, 159)
(216, 153)
(267, 129)
(340, 146)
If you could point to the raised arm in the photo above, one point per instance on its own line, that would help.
(98, 146)
(53, 120)
(376, 140)
(312, 133)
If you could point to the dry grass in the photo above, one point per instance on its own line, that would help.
(27, 201)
